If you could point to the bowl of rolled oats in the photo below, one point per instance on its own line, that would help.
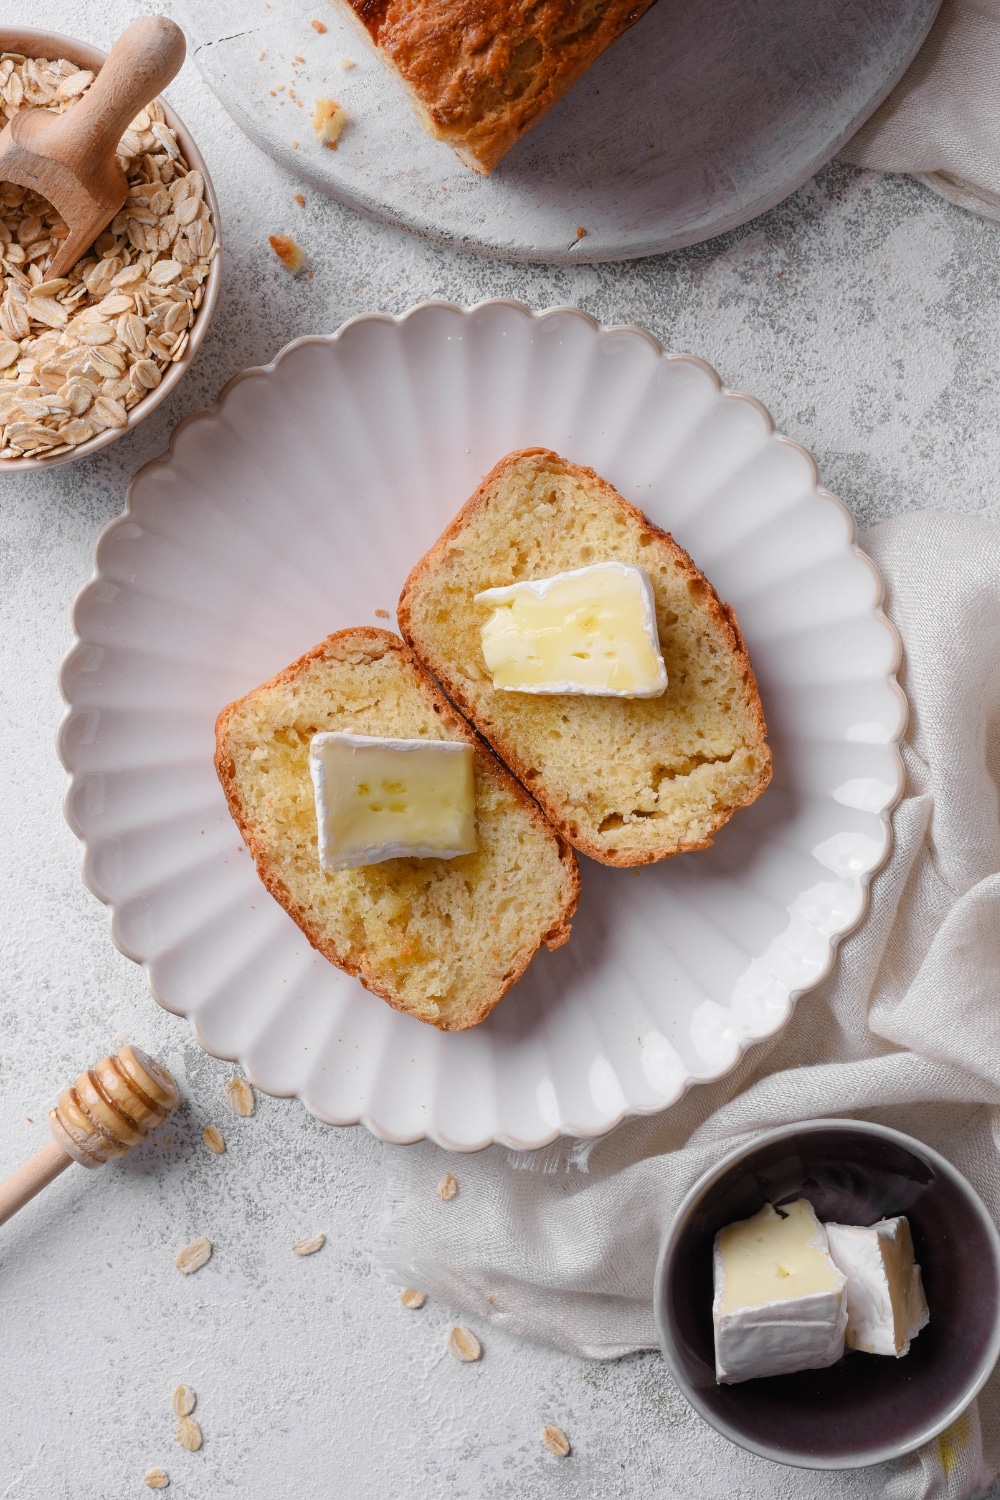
(86, 356)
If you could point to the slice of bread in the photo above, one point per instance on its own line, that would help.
(443, 939)
(626, 781)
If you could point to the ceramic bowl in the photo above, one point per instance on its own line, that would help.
(867, 1408)
(51, 44)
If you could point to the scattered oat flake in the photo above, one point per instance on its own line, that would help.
(240, 1097)
(188, 1434)
(193, 1256)
(382, 614)
(328, 120)
(318, 26)
(410, 1297)
(447, 1187)
(157, 1479)
(556, 1441)
(291, 254)
(213, 1139)
(183, 1401)
(463, 1345)
(309, 1244)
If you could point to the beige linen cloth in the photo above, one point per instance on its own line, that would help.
(560, 1245)
(942, 122)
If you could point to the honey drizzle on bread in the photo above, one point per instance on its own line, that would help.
(443, 939)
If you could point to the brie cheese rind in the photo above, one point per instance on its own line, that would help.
(779, 1303)
(591, 632)
(886, 1306)
(379, 799)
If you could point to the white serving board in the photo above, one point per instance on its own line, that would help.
(702, 116)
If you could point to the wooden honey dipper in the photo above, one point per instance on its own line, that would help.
(107, 1110)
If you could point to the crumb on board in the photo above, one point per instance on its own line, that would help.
(382, 614)
(300, 200)
(580, 232)
(347, 63)
(291, 255)
(318, 26)
(328, 121)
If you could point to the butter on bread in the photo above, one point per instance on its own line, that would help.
(479, 76)
(626, 781)
(443, 939)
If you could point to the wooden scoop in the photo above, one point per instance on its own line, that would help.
(108, 1108)
(70, 158)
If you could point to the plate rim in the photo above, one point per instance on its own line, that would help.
(863, 880)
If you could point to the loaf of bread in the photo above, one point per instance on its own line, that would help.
(626, 781)
(479, 76)
(443, 939)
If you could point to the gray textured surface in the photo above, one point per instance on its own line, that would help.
(864, 314)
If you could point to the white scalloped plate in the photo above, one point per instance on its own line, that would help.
(295, 507)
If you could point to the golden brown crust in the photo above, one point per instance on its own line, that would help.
(375, 643)
(478, 75)
(722, 614)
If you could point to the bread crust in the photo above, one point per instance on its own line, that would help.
(479, 76)
(375, 643)
(722, 614)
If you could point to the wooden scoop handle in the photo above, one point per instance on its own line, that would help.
(141, 63)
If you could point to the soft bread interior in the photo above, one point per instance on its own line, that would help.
(626, 781)
(442, 939)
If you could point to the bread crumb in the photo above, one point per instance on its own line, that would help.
(580, 232)
(295, 145)
(261, 56)
(291, 255)
(298, 58)
(347, 63)
(300, 200)
(382, 614)
(318, 26)
(328, 121)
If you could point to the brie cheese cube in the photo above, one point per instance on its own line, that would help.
(591, 631)
(779, 1299)
(886, 1306)
(380, 799)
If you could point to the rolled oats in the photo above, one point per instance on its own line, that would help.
(212, 1138)
(309, 1244)
(447, 1188)
(188, 1434)
(78, 352)
(556, 1441)
(183, 1401)
(240, 1097)
(193, 1256)
(463, 1345)
(411, 1298)
(157, 1479)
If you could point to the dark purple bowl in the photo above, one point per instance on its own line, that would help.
(867, 1408)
